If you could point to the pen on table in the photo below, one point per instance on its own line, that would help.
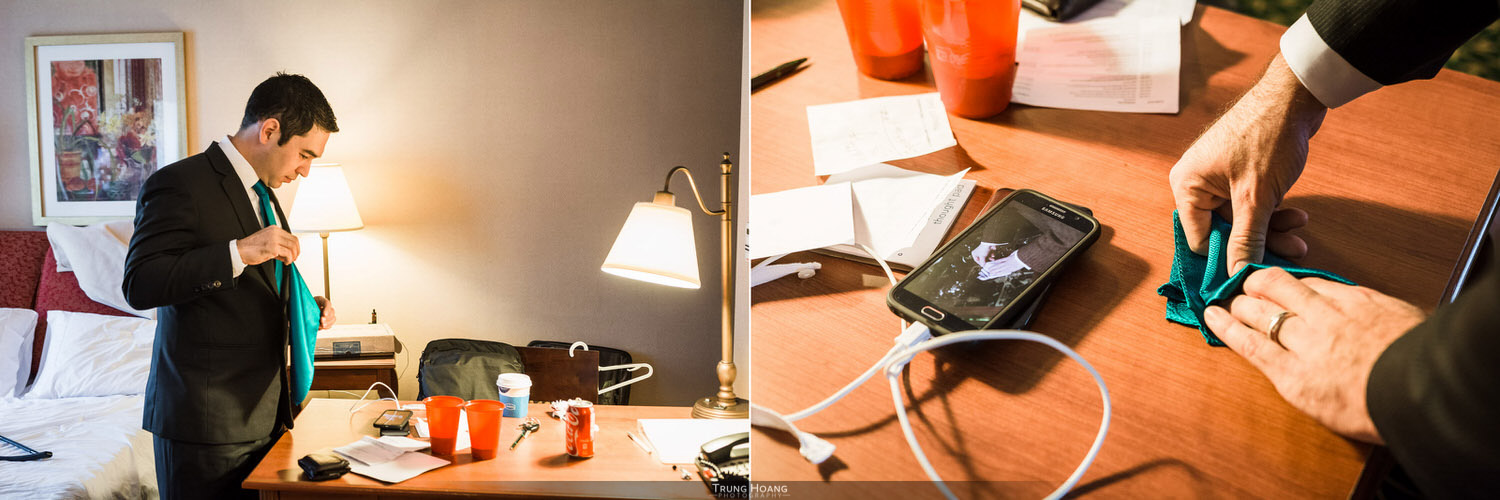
(637, 442)
(775, 73)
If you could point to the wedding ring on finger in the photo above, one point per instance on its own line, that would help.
(1273, 331)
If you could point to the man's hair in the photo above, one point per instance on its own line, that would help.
(294, 101)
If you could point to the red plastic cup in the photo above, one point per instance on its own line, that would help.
(442, 422)
(484, 427)
(885, 35)
(973, 49)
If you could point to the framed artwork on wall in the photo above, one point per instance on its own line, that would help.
(103, 112)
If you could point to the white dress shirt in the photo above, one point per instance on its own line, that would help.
(247, 177)
(1324, 72)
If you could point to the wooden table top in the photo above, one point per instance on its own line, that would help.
(1393, 184)
(538, 467)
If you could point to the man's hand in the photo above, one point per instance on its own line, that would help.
(269, 243)
(1331, 343)
(328, 316)
(1243, 165)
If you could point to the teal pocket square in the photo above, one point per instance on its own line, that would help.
(1198, 281)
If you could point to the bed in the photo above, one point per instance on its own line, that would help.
(89, 417)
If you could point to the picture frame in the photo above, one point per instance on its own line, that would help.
(103, 113)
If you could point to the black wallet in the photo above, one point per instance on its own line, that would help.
(323, 466)
(1058, 10)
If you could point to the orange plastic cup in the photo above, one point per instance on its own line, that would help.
(442, 422)
(885, 36)
(484, 427)
(973, 49)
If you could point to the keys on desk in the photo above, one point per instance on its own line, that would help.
(527, 427)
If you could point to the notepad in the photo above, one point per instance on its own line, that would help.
(679, 440)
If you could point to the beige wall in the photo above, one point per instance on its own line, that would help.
(494, 149)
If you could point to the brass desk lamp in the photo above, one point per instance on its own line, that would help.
(656, 246)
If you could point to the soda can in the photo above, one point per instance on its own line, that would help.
(579, 438)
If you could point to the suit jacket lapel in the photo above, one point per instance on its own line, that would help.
(244, 211)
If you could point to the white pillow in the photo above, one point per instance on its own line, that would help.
(17, 328)
(96, 255)
(93, 355)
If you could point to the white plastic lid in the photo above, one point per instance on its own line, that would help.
(513, 380)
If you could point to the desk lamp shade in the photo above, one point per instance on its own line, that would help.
(656, 246)
(324, 203)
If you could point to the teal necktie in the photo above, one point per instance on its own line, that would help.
(1198, 281)
(302, 311)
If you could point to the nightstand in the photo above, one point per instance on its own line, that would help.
(353, 374)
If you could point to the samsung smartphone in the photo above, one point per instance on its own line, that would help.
(996, 268)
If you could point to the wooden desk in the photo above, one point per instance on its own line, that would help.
(538, 467)
(1393, 183)
(347, 374)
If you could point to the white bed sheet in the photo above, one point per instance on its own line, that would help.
(98, 448)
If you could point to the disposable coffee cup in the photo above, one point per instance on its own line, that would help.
(515, 393)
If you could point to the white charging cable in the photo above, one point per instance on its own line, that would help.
(362, 397)
(913, 340)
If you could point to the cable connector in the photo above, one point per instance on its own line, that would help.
(915, 334)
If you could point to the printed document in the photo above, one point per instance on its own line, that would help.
(1123, 64)
(1106, 9)
(849, 135)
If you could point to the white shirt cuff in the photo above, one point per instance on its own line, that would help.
(1322, 71)
(235, 263)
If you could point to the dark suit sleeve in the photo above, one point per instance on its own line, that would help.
(167, 262)
(1434, 394)
(1393, 41)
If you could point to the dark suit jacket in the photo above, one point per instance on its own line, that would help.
(1393, 41)
(218, 368)
(1434, 394)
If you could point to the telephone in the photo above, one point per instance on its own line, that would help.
(725, 461)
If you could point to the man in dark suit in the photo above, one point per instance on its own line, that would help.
(1367, 365)
(202, 253)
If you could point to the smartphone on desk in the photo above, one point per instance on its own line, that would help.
(997, 268)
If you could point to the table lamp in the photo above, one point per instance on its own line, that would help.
(324, 205)
(656, 246)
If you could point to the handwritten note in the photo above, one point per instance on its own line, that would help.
(849, 135)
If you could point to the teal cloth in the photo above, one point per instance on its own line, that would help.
(1198, 282)
(302, 310)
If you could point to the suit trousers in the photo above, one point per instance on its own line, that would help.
(187, 470)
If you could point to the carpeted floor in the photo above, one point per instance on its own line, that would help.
(1480, 56)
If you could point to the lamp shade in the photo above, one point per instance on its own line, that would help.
(324, 203)
(656, 245)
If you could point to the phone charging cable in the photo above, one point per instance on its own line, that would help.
(916, 339)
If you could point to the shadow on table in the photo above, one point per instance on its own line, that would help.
(1382, 247)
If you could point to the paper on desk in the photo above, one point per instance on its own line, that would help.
(680, 440)
(800, 219)
(891, 204)
(392, 459)
(854, 134)
(1126, 64)
(1105, 9)
(406, 466)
